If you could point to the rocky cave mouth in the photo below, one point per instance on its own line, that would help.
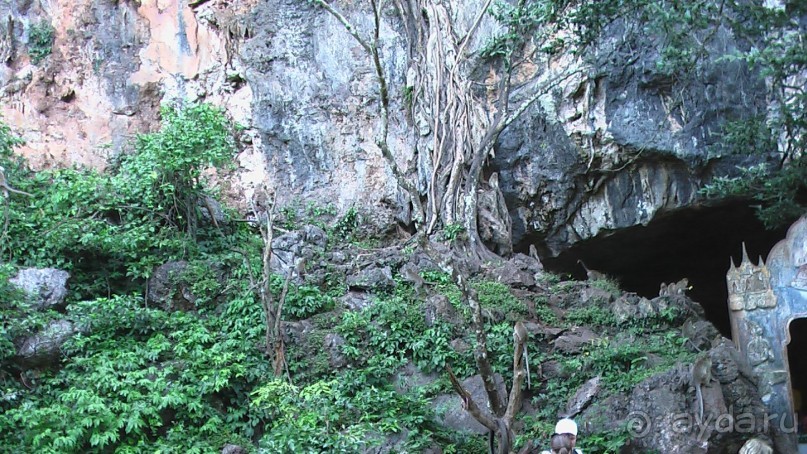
(694, 243)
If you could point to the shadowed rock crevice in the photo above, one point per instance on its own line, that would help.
(693, 243)
(798, 364)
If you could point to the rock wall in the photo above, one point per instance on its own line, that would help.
(620, 143)
(314, 104)
(624, 143)
(111, 66)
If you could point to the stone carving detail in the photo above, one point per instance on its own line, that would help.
(749, 285)
(763, 300)
(759, 347)
(768, 381)
(800, 281)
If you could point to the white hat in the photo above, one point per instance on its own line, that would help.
(566, 426)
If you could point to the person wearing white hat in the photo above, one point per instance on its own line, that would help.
(567, 427)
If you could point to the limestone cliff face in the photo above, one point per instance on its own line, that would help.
(625, 143)
(618, 144)
(111, 65)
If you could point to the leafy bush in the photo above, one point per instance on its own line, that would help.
(139, 371)
(136, 377)
(495, 295)
(453, 232)
(591, 315)
(392, 331)
(779, 193)
(110, 228)
(40, 41)
(13, 307)
(305, 301)
(164, 175)
(543, 313)
(346, 225)
(334, 415)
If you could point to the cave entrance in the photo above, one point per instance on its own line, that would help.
(694, 243)
(797, 365)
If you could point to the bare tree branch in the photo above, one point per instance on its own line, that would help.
(472, 30)
(514, 404)
(348, 26)
(469, 404)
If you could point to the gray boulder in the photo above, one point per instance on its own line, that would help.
(44, 347)
(356, 301)
(333, 344)
(168, 288)
(288, 248)
(47, 287)
(371, 278)
(573, 341)
(233, 449)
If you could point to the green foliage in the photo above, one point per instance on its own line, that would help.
(543, 313)
(136, 378)
(391, 332)
(13, 308)
(437, 277)
(520, 21)
(8, 140)
(622, 359)
(205, 282)
(500, 350)
(309, 362)
(778, 56)
(316, 210)
(335, 415)
(289, 217)
(495, 295)
(744, 137)
(346, 225)
(307, 420)
(40, 41)
(453, 232)
(779, 194)
(139, 371)
(165, 172)
(107, 228)
(591, 315)
(608, 442)
(608, 284)
(408, 96)
(670, 316)
(612, 359)
(564, 286)
(302, 301)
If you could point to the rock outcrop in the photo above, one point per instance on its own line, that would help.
(661, 413)
(46, 287)
(617, 144)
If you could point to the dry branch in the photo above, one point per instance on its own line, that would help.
(469, 404)
(273, 310)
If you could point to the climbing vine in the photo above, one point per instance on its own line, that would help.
(457, 123)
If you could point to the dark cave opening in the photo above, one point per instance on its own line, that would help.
(798, 367)
(695, 243)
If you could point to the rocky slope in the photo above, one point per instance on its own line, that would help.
(620, 364)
